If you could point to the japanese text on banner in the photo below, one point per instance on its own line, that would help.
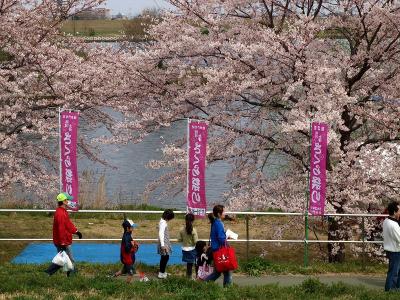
(318, 168)
(197, 148)
(68, 143)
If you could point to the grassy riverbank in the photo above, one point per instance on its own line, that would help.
(133, 28)
(39, 225)
(265, 258)
(105, 28)
(30, 282)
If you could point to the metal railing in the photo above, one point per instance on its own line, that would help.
(305, 241)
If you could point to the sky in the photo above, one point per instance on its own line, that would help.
(134, 7)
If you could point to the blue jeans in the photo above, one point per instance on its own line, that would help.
(393, 278)
(215, 275)
(68, 250)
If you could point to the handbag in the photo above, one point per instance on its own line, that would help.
(204, 271)
(225, 259)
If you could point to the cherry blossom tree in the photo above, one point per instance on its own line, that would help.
(259, 71)
(42, 70)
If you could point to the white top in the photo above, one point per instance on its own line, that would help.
(161, 231)
(391, 235)
(188, 248)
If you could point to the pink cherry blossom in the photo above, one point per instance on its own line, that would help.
(259, 72)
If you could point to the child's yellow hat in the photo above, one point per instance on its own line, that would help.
(64, 196)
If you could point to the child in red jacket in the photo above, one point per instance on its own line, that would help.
(128, 250)
(63, 229)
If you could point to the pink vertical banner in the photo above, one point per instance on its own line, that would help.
(319, 142)
(68, 155)
(196, 185)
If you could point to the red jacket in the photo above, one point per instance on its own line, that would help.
(62, 228)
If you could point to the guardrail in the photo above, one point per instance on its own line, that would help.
(247, 214)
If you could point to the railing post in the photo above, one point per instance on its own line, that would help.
(247, 238)
(306, 239)
(363, 233)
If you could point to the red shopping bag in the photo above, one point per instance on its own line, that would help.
(225, 259)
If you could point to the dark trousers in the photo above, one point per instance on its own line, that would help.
(163, 263)
(215, 275)
(54, 268)
(189, 270)
(393, 276)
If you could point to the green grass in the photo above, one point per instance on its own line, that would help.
(133, 28)
(258, 266)
(30, 282)
(113, 216)
(100, 27)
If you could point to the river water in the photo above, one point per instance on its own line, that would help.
(128, 175)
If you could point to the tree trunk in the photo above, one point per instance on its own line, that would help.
(336, 251)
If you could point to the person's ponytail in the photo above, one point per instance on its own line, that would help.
(211, 218)
(189, 219)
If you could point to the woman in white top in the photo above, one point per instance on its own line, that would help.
(164, 244)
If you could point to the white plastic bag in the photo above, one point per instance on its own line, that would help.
(68, 264)
(62, 259)
(59, 259)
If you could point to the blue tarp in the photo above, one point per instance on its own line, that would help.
(39, 253)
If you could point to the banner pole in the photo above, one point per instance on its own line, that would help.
(307, 199)
(187, 164)
(59, 149)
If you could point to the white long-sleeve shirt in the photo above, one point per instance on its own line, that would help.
(391, 235)
(161, 231)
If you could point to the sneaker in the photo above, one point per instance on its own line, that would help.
(162, 275)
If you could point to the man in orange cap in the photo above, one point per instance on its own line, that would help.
(63, 229)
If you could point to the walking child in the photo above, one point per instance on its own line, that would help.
(188, 237)
(128, 250)
(164, 244)
(63, 229)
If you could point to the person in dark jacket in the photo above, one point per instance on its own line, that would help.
(218, 240)
(63, 229)
(128, 250)
(203, 255)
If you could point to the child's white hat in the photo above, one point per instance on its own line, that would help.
(129, 223)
